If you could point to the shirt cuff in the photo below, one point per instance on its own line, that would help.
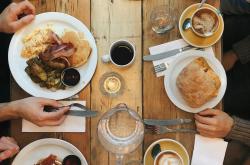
(242, 50)
(240, 131)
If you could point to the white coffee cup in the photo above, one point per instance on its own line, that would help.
(121, 53)
(170, 156)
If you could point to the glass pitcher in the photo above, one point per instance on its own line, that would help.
(120, 131)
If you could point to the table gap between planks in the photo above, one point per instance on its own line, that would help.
(110, 20)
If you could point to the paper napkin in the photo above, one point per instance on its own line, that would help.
(180, 43)
(71, 123)
(208, 151)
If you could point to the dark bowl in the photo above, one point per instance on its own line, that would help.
(71, 160)
(70, 77)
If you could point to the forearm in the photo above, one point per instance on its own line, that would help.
(240, 131)
(7, 111)
(242, 50)
(1, 23)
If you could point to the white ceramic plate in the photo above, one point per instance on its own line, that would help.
(42, 148)
(176, 67)
(58, 22)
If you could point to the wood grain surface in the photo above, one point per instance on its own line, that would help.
(109, 21)
(112, 21)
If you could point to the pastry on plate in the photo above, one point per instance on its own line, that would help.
(198, 83)
(83, 49)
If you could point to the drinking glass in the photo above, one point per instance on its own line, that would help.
(163, 19)
(120, 131)
(111, 84)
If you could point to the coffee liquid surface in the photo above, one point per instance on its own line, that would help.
(168, 159)
(122, 54)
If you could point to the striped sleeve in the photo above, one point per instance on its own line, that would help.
(242, 49)
(240, 131)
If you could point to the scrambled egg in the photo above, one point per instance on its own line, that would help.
(35, 42)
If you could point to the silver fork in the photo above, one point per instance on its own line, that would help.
(153, 129)
(161, 67)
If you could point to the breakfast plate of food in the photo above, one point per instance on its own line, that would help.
(53, 57)
(50, 151)
(195, 81)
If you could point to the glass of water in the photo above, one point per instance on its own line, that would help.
(163, 19)
(120, 131)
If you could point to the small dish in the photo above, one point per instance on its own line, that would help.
(70, 77)
(166, 145)
(71, 159)
(193, 39)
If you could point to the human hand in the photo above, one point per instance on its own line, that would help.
(213, 123)
(31, 109)
(8, 148)
(9, 22)
(229, 59)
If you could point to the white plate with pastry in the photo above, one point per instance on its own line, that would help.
(34, 39)
(49, 148)
(195, 81)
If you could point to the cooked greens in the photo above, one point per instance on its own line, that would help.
(43, 74)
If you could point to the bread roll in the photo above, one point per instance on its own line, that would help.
(198, 83)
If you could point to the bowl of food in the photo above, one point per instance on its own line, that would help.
(70, 77)
(205, 22)
(195, 81)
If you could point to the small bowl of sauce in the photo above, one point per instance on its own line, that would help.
(70, 77)
(71, 160)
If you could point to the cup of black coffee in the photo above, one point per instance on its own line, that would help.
(121, 53)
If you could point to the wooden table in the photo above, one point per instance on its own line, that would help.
(110, 20)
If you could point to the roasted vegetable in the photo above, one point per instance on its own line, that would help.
(36, 69)
(44, 75)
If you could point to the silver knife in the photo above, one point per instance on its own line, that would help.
(82, 113)
(166, 54)
(167, 122)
